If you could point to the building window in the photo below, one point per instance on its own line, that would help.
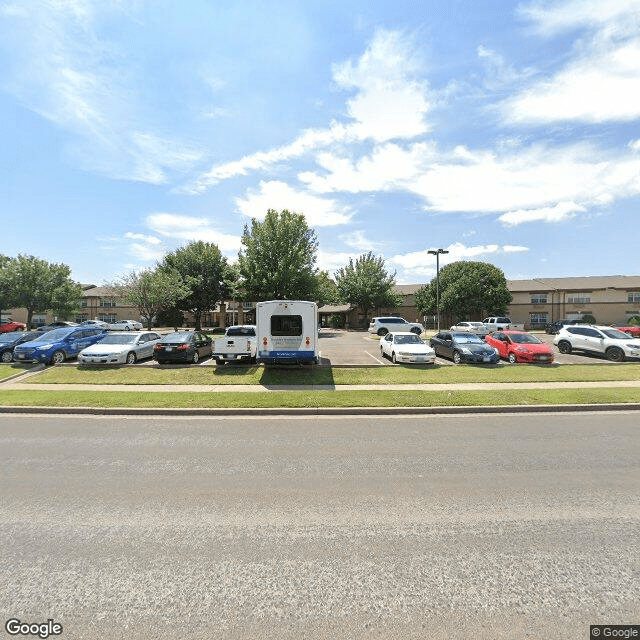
(538, 298)
(247, 305)
(107, 303)
(84, 304)
(107, 318)
(538, 319)
(578, 298)
(634, 296)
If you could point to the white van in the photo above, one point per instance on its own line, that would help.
(287, 331)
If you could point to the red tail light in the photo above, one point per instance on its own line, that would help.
(183, 347)
(307, 341)
(264, 341)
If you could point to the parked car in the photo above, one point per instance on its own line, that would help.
(10, 325)
(500, 323)
(60, 324)
(125, 325)
(383, 325)
(96, 323)
(120, 348)
(239, 343)
(183, 346)
(54, 347)
(553, 327)
(477, 328)
(632, 331)
(463, 347)
(616, 345)
(404, 346)
(10, 340)
(518, 346)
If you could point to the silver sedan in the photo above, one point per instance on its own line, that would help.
(120, 348)
(125, 325)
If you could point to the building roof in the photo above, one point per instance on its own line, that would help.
(98, 292)
(336, 308)
(584, 283)
(407, 289)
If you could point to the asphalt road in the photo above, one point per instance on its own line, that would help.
(416, 527)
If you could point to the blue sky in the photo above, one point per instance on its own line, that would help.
(501, 131)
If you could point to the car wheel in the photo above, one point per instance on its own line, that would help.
(512, 358)
(382, 332)
(564, 346)
(195, 357)
(382, 354)
(457, 358)
(416, 331)
(393, 357)
(7, 356)
(57, 357)
(131, 358)
(615, 354)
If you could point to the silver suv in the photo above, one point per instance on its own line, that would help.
(384, 324)
(612, 343)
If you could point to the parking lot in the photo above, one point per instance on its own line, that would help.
(339, 347)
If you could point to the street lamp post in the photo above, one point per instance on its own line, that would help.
(436, 253)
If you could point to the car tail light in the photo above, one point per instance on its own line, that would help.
(183, 347)
(307, 341)
(158, 347)
(264, 341)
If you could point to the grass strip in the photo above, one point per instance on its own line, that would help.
(401, 374)
(8, 370)
(317, 399)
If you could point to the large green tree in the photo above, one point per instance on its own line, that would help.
(39, 286)
(277, 260)
(467, 289)
(151, 291)
(367, 284)
(202, 268)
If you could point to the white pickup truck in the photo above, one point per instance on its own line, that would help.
(239, 343)
(500, 323)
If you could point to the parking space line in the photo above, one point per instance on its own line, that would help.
(376, 359)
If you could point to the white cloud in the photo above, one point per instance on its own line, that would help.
(558, 213)
(499, 71)
(390, 103)
(319, 212)
(422, 264)
(358, 241)
(61, 69)
(189, 228)
(528, 178)
(331, 261)
(388, 167)
(141, 236)
(599, 84)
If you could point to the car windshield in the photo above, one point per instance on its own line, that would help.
(467, 339)
(523, 338)
(412, 339)
(10, 337)
(615, 334)
(119, 339)
(55, 334)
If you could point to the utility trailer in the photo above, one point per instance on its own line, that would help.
(287, 332)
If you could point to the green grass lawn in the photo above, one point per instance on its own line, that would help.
(402, 374)
(317, 399)
(7, 370)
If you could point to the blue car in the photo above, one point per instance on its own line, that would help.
(54, 347)
(9, 341)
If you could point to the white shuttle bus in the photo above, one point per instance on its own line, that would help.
(287, 332)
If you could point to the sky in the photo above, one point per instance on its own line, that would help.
(500, 131)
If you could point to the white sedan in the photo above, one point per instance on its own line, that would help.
(125, 325)
(477, 328)
(120, 348)
(406, 347)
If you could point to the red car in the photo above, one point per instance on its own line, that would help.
(519, 346)
(632, 331)
(12, 326)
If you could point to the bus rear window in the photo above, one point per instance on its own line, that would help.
(286, 325)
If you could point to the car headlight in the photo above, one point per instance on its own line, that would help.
(44, 346)
(466, 351)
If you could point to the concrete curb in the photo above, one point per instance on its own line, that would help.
(320, 411)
